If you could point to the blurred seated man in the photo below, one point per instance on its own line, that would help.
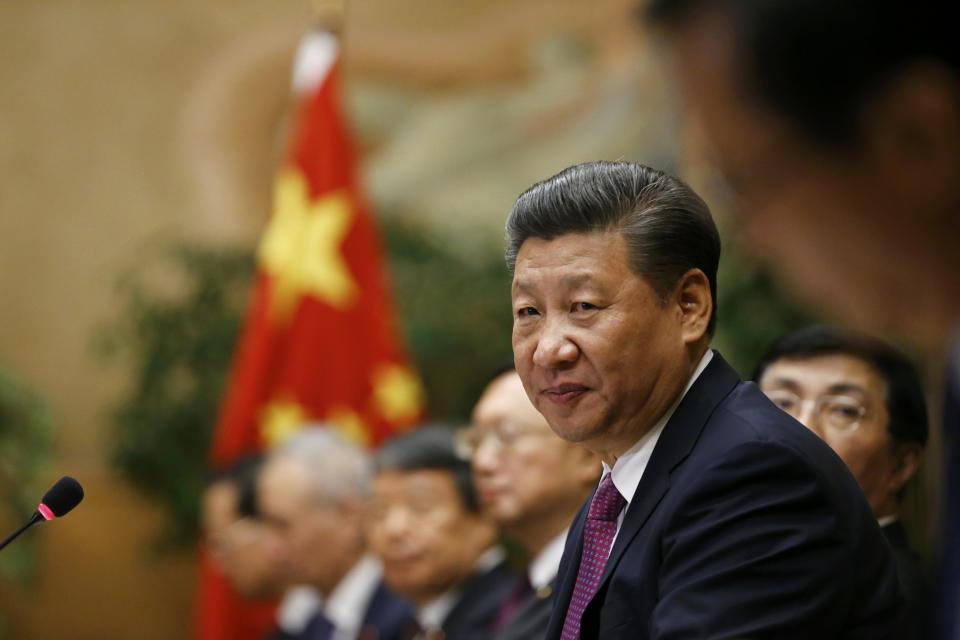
(532, 483)
(314, 491)
(238, 541)
(438, 550)
(865, 400)
(241, 580)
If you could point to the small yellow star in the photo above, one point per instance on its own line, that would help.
(397, 394)
(301, 246)
(279, 420)
(350, 425)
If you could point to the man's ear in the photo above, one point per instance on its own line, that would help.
(909, 455)
(912, 134)
(694, 303)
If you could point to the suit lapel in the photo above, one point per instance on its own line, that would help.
(567, 573)
(674, 445)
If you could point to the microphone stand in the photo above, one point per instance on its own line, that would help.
(34, 520)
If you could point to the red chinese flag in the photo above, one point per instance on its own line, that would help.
(320, 344)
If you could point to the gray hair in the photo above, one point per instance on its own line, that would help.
(667, 227)
(339, 469)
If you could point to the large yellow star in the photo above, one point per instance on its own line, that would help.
(301, 247)
(279, 420)
(397, 394)
(350, 425)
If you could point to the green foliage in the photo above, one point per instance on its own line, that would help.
(181, 314)
(456, 312)
(26, 439)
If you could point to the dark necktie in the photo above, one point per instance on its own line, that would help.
(521, 591)
(598, 534)
(319, 628)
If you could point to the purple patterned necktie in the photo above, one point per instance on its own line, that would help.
(598, 534)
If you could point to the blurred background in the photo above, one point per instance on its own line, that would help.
(138, 145)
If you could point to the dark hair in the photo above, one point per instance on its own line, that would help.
(905, 401)
(819, 61)
(667, 227)
(429, 447)
(242, 474)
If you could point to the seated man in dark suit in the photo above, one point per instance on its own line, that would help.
(531, 483)
(865, 400)
(313, 492)
(438, 550)
(717, 516)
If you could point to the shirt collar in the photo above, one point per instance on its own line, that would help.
(629, 468)
(545, 565)
(887, 520)
(348, 601)
(297, 607)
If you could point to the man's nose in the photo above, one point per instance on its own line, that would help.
(554, 349)
(485, 456)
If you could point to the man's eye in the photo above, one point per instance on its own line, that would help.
(527, 312)
(583, 306)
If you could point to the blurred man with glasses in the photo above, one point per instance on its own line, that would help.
(531, 483)
(865, 400)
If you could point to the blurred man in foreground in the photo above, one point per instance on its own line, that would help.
(438, 550)
(531, 483)
(314, 491)
(866, 401)
(717, 514)
(838, 125)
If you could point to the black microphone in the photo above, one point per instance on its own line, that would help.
(61, 498)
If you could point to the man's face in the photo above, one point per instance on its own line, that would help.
(799, 385)
(425, 536)
(600, 355)
(241, 547)
(525, 475)
(312, 538)
(828, 221)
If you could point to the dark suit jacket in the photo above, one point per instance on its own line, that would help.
(387, 618)
(913, 584)
(482, 595)
(531, 617)
(744, 525)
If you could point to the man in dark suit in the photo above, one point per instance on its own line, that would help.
(531, 483)
(438, 549)
(717, 516)
(865, 400)
(313, 493)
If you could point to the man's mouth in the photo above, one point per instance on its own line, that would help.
(564, 394)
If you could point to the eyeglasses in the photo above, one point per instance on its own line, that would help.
(470, 439)
(839, 413)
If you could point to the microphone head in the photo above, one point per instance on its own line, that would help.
(61, 498)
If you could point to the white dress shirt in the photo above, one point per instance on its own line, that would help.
(545, 565)
(628, 469)
(348, 602)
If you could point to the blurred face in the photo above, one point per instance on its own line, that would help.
(828, 220)
(600, 356)
(426, 538)
(317, 541)
(525, 475)
(241, 547)
(824, 393)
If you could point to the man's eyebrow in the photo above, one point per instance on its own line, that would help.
(780, 381)
(848, 388)
(567, 281)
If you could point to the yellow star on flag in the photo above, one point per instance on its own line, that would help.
(350, 425)
(397, 394)
(301, 246)
(279, 420)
